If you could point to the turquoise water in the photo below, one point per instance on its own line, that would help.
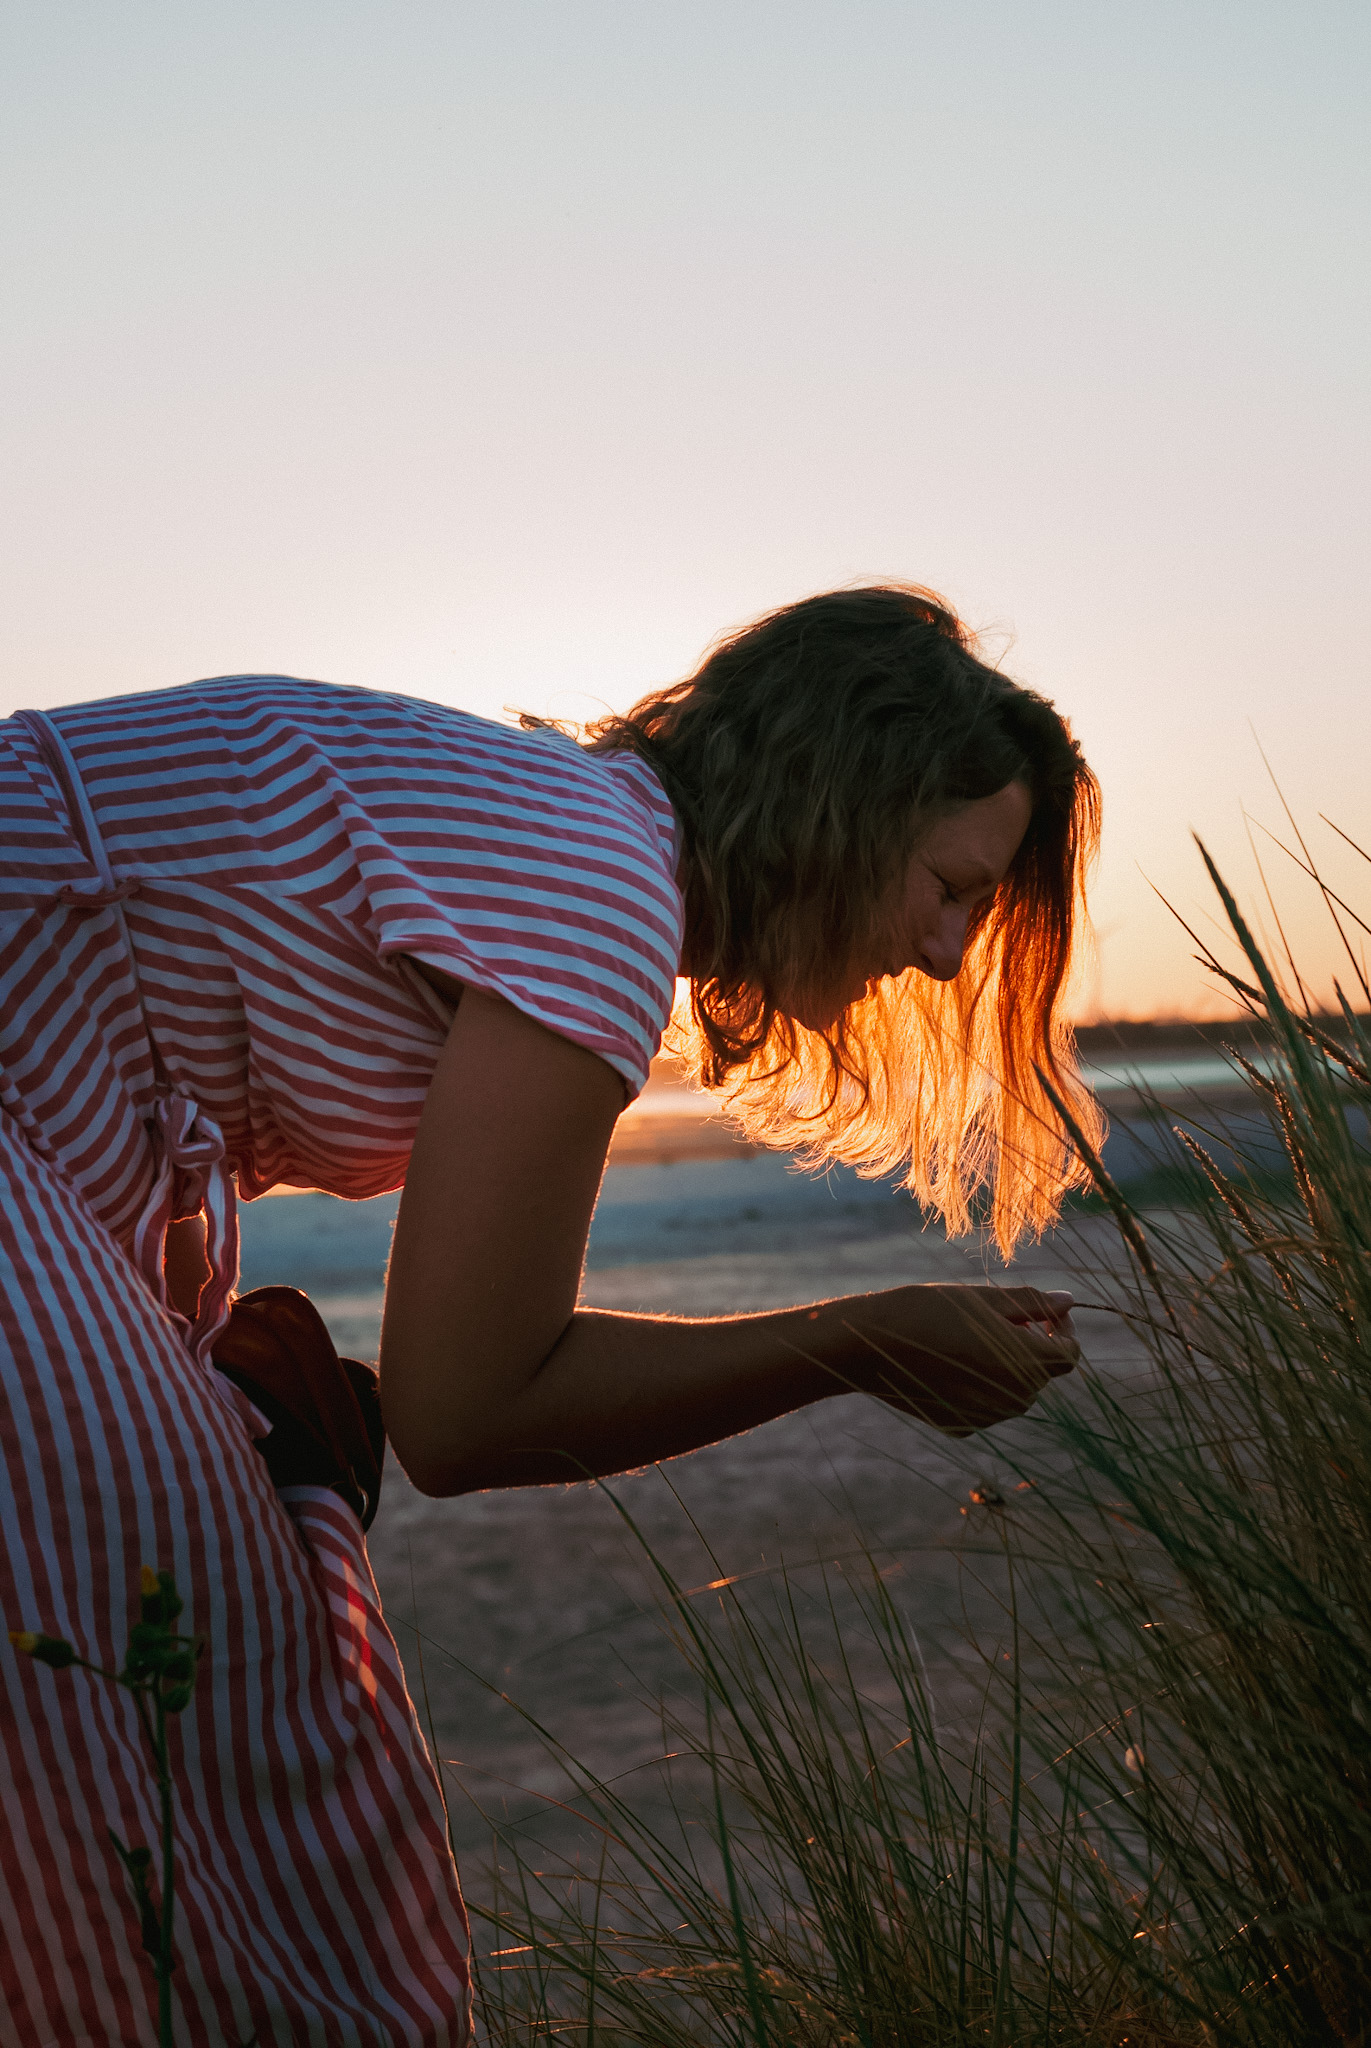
(645, 1214)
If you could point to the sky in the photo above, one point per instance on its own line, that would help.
(505, 355)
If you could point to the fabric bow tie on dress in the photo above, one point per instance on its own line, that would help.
(191, 1178)
(96, 895)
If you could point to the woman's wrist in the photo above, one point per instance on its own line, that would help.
(857, 1340)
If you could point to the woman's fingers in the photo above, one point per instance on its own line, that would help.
(1032, 1309)
(1033, 1316)
(974, 1356)
(1033, 1304)
(1058, 1351)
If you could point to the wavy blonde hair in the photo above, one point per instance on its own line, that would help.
(805, 758)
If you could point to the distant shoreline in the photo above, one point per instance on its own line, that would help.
(670, 1123)
(1180, 1035)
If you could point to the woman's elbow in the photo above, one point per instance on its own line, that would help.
(429, 1446)
(432, 1468)
(455, 1431)
(442, 1474)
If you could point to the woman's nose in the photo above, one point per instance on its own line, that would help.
(944, 947)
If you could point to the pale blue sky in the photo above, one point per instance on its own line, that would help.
(505, 353)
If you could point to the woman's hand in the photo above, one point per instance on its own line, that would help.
(961, 1358)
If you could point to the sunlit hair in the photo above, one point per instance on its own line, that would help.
(805, 757)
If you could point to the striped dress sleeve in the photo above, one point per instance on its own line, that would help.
(516, 861)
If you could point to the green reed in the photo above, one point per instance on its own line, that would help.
(1157, 1830)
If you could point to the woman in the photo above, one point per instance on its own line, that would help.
(258, 931)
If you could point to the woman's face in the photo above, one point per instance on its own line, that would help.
(956, 867)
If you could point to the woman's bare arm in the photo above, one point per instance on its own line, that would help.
(490, 1376)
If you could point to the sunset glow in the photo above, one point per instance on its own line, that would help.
(505, 356)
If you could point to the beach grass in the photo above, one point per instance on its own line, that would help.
(1154, 1825)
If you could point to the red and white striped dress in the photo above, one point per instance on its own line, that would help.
(209, 900)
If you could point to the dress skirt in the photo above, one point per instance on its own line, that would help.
(316, 1897)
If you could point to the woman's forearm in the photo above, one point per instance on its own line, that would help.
(618, 1391)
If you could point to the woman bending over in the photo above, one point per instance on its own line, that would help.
(881, 845)
(260, 930)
